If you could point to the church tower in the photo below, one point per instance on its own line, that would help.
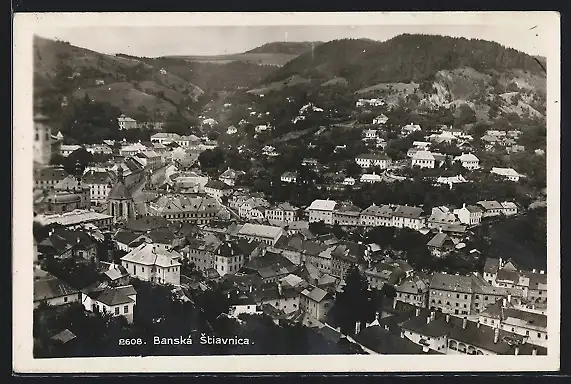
(120, 202)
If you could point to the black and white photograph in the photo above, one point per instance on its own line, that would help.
(198, 187)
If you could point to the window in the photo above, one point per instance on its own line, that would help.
(126, 309)
(457, 295)
(456, 304)
(538, 334)
(142, 269)
(465, 306)
(466, 297)
(117, 310)
(485, 297)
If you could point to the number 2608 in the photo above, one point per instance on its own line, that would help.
(137, 341)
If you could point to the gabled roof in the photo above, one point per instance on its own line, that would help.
(489, 204)
(380, 211)
(323, 205)
(491, 265)
(119, 192)
(51, 287)
(451, 282)
(110, 296)
(407, 211)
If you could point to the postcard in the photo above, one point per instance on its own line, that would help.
(296, 192)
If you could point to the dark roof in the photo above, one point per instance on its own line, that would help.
(110, 296)
(491, 265)
(64, 336)
(271, 264)
(147, 223)
(126, 237)
(406, 211)
(217, 184)
(51, 174)
(93, 177)
(439, 240)
(386, 343)
(228, 249)
(119, 192)
(161, 236)
(51, 287)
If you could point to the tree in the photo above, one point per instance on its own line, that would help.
(352, 169)
(466, 115)
(211, 158)
(355, 304)
(76, 162)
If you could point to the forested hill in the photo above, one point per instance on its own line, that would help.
(290, 48)
(404, 58)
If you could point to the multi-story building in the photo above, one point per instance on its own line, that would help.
(490, 208)
(377, 216)
(265, 233)
(426, 159)
(468, 161)
(201, 251)
(346, 214)
(405, 216)
(368, 160)
(321, 210)
(194, 209)
(284, 212)
(228, 259)
(413, 291)
(469, 214)
(100, 184)
(152, 263)
(125, 122)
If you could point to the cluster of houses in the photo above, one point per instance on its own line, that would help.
(399, 216)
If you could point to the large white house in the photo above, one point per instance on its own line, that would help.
(321, 210)
(469, 214)
(126, 122)
(152, 262)
(426, 159)
(368, 160)
(507, 173)
(164, 138)
(468, 161)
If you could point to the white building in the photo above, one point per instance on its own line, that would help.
(380, 120)
(228, 259)
(468, 161)
(115, 301)
(164, 138)
(349, 181)
(426, 159)
(368, 160)
(289, 177)
(507, 173)
(151, 262)
(231, 130)
(265, 233)
(282, 212)
(469, 214)
(126, 122)
(370, 178)
(410, 128)
(509, 208)
(321, 210)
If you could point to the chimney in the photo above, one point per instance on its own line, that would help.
(541, 272)
(534, 270)
(427, 319)
(464, 322)
(509, 297)
(394, 304)
(250, 289)
(280, 290)
(496, 335)
(447, 318)
(425, 348)
(534, 351)
(516, 352)
(432, 315)
(464, 205)
(501, 262)
(417, 312)
(478, 324)
(504, 302)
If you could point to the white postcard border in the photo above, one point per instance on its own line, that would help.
(25, 25)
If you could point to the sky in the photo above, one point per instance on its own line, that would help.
(215, 40)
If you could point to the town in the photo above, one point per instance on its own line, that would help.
(370, 234)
